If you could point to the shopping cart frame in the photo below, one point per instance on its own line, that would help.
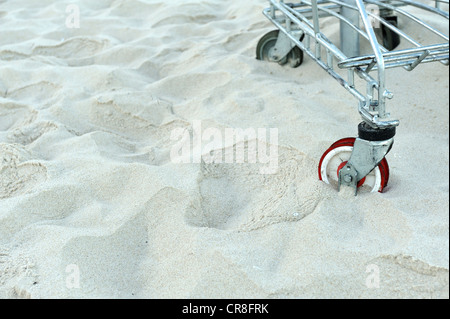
(299, 26)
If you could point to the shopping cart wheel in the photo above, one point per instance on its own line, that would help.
(337, 156)
(391, 39)
(264, 51)
(295, 57)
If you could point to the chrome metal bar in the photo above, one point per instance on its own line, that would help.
(346, 21)
(403, 12)
(311, 54)
(315, 16)
(412, 17)
(316, 28)
(356, 29)
(419, 59)
(395, 55)
(427, 7)
(382, 92)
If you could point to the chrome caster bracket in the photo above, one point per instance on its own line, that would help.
(366, 155)
(282, 47)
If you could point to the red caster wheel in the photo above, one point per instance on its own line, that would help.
(337, 156)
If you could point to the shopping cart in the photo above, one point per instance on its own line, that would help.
(359, 162)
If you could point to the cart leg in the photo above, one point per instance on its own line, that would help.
(349, 37)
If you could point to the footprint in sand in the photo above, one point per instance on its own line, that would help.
(35, 92)
(183, 19)
(7, 55)
(14, 114)
(18, 174)
(239, 197)
(27, 134)
(76, 48)
(16, 275)
(136, 115)
(19, 123)
(403, 275)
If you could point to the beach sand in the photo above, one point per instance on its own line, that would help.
(92, 206)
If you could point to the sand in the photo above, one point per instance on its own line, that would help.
(93, 206)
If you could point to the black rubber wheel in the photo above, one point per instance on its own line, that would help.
(268, 41)
(391, 40)
(295, 57)
(368, 133)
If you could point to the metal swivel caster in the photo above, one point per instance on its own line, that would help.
(360, 162)
(275, 46)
